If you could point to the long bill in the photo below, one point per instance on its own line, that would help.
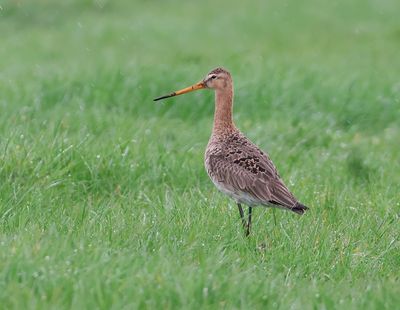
(196, 86)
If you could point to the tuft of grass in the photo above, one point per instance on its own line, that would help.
(104, 201)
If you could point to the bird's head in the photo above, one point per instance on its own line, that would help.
(217, 79)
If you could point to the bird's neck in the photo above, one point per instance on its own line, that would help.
(223, 118)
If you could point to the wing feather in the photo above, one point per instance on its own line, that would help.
(245, 168)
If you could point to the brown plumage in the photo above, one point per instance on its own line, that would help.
(240, 169)
(236, 166)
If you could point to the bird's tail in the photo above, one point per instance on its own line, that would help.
(299, 208)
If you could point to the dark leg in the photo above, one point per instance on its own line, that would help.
(249, 222)
(273, 213)
(242, 215)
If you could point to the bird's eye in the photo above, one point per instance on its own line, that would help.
(213, 77)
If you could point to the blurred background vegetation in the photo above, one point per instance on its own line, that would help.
(104, 200)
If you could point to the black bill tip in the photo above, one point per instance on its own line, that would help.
(163, 97)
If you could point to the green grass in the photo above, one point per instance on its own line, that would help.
(104, 201)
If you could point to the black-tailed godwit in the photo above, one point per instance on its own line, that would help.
(237, 167)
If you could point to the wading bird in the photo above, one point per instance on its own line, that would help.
(237, 166)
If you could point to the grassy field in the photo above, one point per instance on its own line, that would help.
(104, 200)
